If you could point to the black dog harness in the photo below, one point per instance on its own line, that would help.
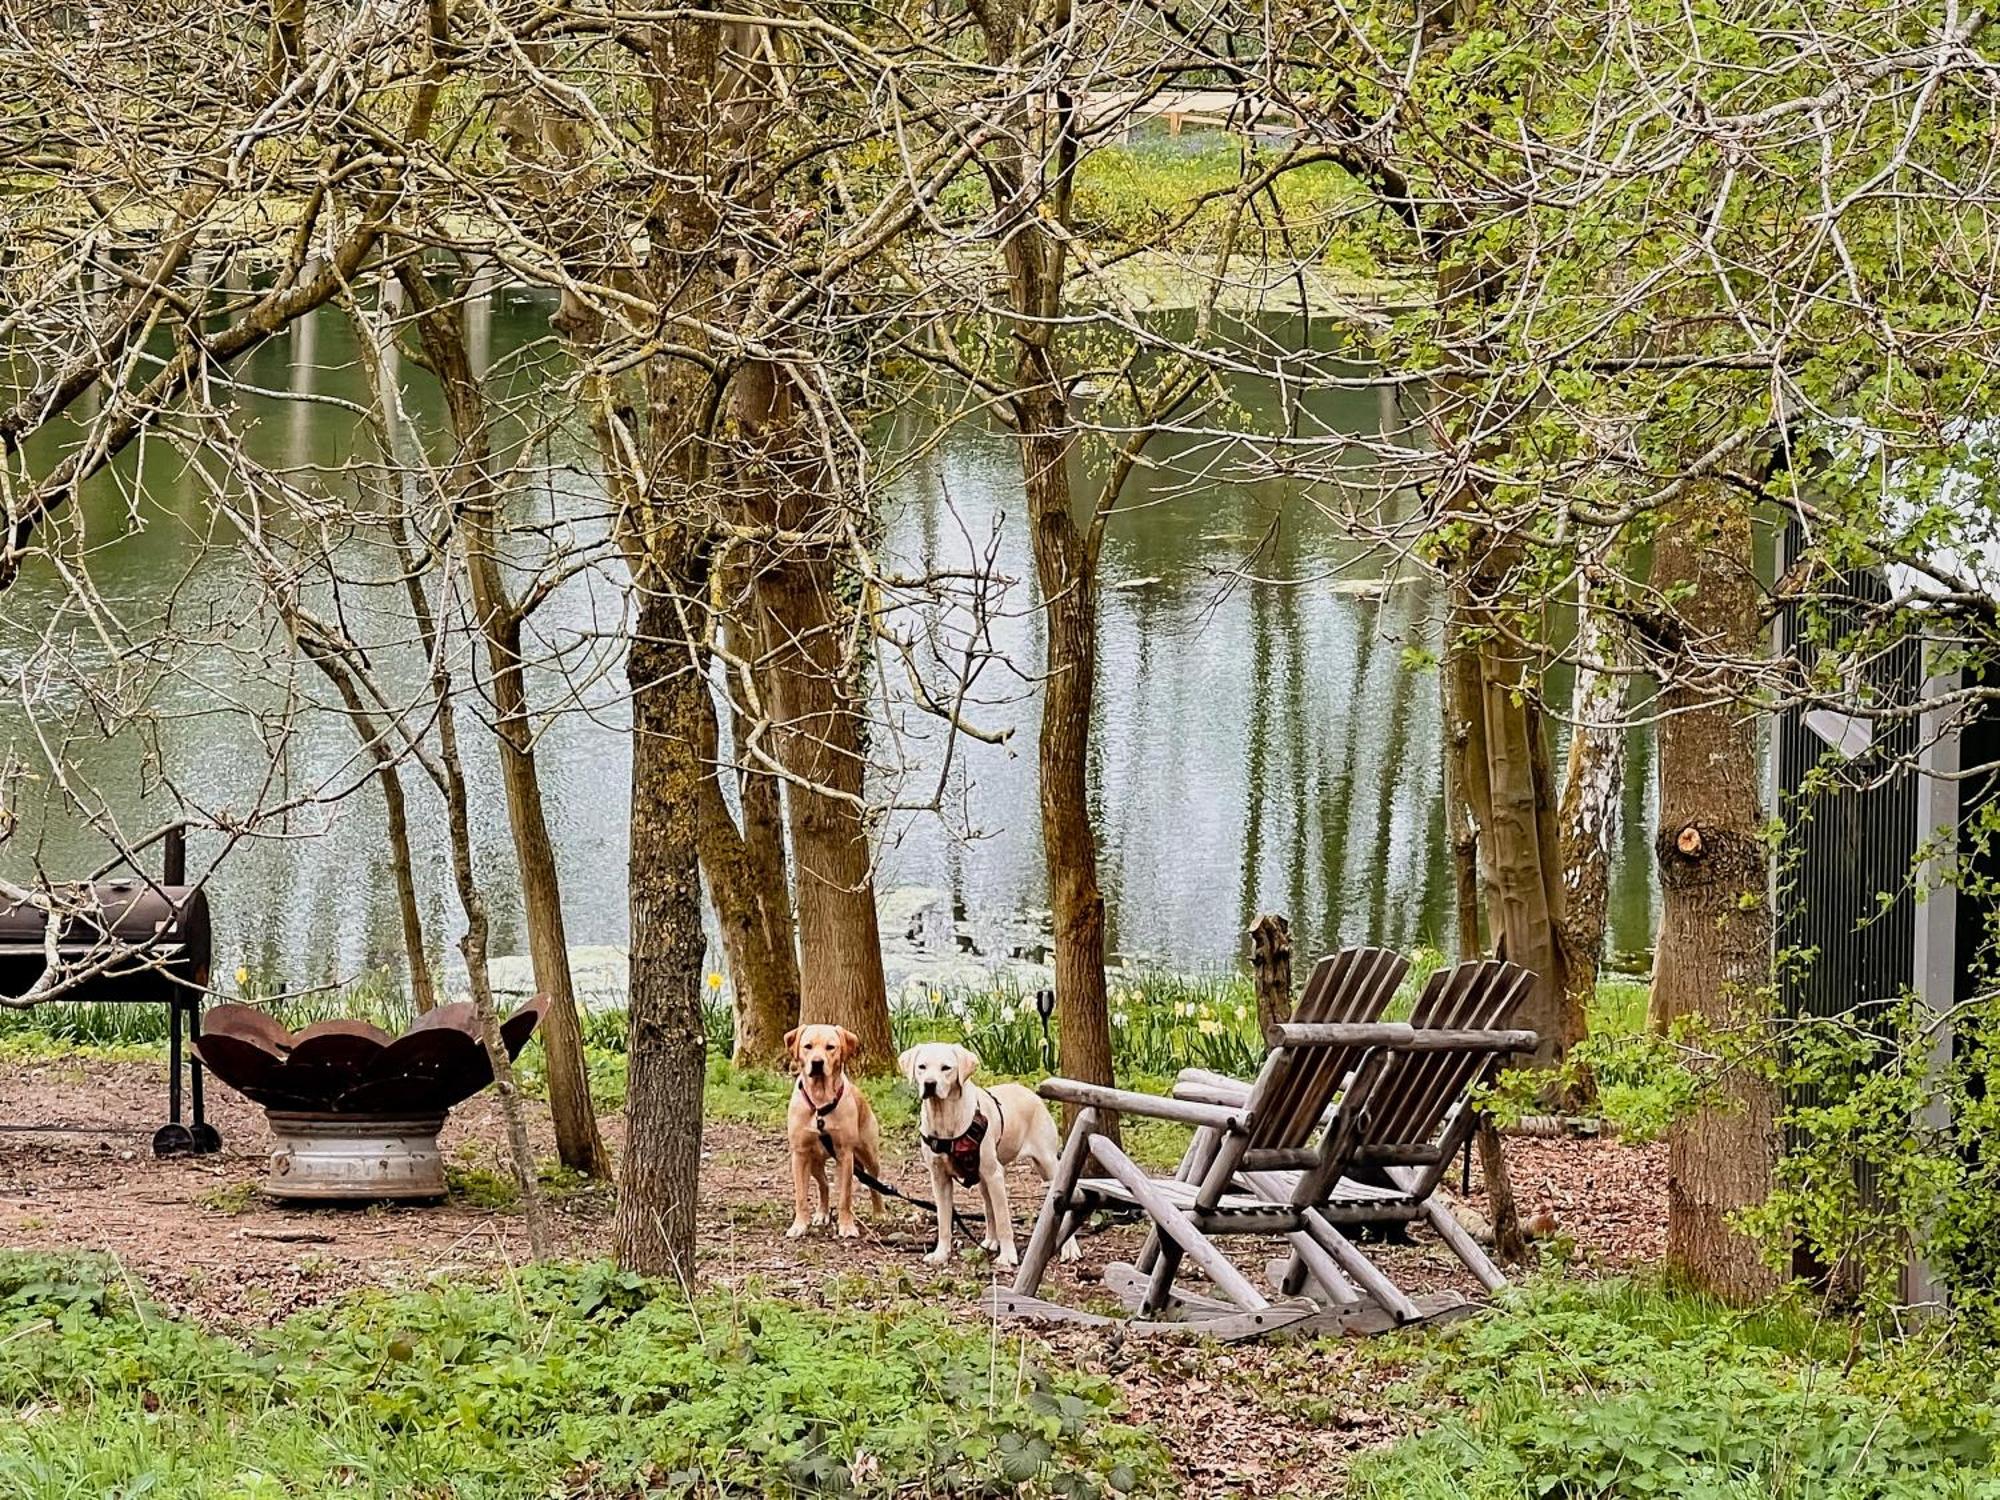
(962, 1151)
(821, 1111)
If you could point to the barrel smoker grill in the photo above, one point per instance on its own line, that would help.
(135, 941)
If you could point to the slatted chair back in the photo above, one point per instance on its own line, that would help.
(1292, 1093)
(1413, 1100)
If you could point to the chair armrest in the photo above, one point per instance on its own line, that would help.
(1155, 1106)
(1398, 1036)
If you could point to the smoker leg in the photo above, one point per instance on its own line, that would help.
(173, 1138)
(207, 1139)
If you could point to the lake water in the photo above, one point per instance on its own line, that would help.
(1260, 743)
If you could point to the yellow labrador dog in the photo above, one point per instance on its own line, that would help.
(829, 1120)
(974, 1134)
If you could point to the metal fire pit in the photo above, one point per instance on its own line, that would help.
(339, 1157)
(356, 1112)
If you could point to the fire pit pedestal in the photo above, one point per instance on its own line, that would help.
(336, 1156)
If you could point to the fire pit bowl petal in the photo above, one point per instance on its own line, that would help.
(517, 1028)
(339, 1027)
(337, 1051)
(441, 1062)
(246, 1023)
(245, 1066)
(458, 1016)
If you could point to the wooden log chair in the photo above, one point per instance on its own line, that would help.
(1351, 1121)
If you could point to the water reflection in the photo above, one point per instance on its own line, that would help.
(1260, 742)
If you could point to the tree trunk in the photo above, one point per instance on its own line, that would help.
(473, 946)
(745, 870)
(1518, 854)
(1714, 956)
(809, 664)
(578, 1142)
(665, 526)
(1030, 171)
(423, 992)
(1509, 1242)
(775, 1003)
(1466, 787)
(1587, 820)
(406, 458)
(666, 1047)
(1067, 573)
(819, 744)
(1464, 780)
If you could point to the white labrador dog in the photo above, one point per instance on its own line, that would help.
(974, 1134)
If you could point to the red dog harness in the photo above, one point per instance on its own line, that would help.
(962, 1151)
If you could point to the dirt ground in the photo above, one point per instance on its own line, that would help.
(1243, 1421)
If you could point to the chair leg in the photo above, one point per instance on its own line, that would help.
(1055, 1206)
(1362, 1269)
(1166, 1266)
(1194, 1166)
(1308, 1256)
(1463, 1245)
(1178, 1227)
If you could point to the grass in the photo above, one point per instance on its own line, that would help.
(1143, 193)
(1627, 1390)
(579, 1381)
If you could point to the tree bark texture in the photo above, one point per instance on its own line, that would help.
(1587, 818)
(745, 871)
(666, 1047)
(579, 1144)
(819, 743)
(1271, 963)
(1713, 960)
(666, 529)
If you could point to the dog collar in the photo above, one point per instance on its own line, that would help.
(821, 1111)
(962, 1151)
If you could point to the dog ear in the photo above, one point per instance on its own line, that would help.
(968, 1063)
(792, 1043)
(907, 1064)
(850, 1044)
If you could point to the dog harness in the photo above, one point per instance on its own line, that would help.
(962, 1151)
(821, 1111)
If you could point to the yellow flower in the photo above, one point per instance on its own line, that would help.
(714, 980)
(1208, 1027)
(242, 976)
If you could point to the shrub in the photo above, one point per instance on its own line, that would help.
(1620, 1390)
(582, 1381)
